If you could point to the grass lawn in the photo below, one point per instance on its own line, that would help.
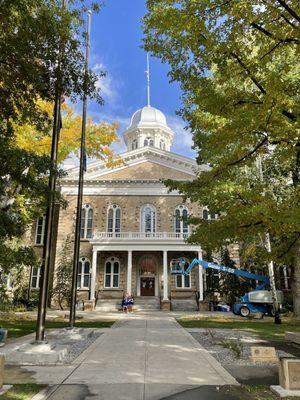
(18, 327)
(264, 328)
(261, 392)
(22, 392)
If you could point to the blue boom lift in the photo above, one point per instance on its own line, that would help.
(258, 301)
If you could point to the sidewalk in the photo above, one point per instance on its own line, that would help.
(142, 357)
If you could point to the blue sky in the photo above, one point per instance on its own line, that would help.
(116, 39)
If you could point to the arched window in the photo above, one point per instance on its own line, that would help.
(35, 277)
(148, 219)
(86, 231)
(208, 215)
(183, 281)
(134, 144)
(149, 142)
(162, 144)
(112, 273)
(114, 220)
(83, 276)
(181, 225)
(40, 230)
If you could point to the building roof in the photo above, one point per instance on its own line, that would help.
(148, 116)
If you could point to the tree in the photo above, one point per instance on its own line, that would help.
(99, 136)
(237, 63)
(32, 36)
(61, 292)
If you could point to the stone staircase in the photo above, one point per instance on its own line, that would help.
(146, 303)
(140, 304)
(108, 305)
(184, 305)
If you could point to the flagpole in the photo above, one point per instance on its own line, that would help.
(82, 168)
(49, 224)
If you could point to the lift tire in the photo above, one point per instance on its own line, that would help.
(244, 311)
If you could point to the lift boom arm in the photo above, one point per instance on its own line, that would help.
(264, 280)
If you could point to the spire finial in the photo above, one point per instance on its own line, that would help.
(148, 80)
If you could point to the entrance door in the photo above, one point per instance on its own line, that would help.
(147, 286)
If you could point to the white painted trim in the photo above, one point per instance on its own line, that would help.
(144, 247)
(109, 190)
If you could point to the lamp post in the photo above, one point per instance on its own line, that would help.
(82, 168)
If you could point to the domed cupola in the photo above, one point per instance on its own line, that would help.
(148, 127)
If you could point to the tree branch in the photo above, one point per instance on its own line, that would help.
(254, 80)
(249, 225)
(250, 153)
(289, 10)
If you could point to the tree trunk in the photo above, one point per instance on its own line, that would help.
(296, 279)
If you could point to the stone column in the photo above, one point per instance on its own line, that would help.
(93, 275)
(165, 305)
(129, 271)
(200, 273)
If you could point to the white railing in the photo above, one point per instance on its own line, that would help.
(103, 236)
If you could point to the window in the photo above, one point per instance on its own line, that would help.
(162, 144)
(35, 277)
(40, 230)
(183, 281)
(181, 225)
(114, 220)
(83, 276)
(134, 144)
(148, 219)
(86, 227)
(112, 272)
(149, 142)
(209, 215)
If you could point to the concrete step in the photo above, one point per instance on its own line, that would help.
(184, 305)
(146, 303)
(108, 305)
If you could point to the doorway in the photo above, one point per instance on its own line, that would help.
(147, 286)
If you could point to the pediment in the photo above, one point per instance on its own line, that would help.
(145, 171)
(142, 164)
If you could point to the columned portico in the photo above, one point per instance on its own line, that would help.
(144, 268)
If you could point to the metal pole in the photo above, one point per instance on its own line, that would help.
(80, 182)
(267, 241)
(49, 228)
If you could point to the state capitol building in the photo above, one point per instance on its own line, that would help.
(132, 227)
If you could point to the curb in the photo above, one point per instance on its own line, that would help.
(45, 393)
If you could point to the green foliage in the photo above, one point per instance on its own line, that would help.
(236, 346)
(238, 66)
(34, 34)
(61, 293)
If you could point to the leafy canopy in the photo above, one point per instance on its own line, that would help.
(238, 65)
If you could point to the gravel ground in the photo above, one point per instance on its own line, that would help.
(214, 341)
(78, 347)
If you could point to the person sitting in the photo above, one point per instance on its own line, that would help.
(125, 303)
(130, 302)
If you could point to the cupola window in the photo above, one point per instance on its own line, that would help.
(149, 142)
(134, 144)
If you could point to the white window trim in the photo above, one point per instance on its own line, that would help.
(38, 276)
(83, 260)
(142, 221)
(112, 273)
(87, 208)
(181, 208)
(114, 208)
(43, 231)
(182, 281)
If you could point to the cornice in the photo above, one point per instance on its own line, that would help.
(134, 157)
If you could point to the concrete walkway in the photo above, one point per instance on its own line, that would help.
(142, 357)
